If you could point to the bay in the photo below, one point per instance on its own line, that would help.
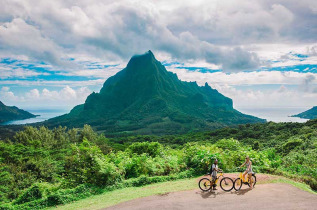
(274, 114)
(44, 114)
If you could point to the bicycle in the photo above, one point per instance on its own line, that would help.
(226, 183)
(239, 181)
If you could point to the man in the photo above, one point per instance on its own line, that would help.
(213, 173)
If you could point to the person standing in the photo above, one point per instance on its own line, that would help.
(213, 173)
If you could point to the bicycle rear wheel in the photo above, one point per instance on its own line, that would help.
(226, 184)
(253, 178)
(237, 184)
(204, 184)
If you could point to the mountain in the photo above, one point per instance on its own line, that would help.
(308, 114)
(145, 98)
(8, 113)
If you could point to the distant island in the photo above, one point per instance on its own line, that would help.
(308, 114)
(144, 98)
(8, 113)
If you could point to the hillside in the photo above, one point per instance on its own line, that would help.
(61, 165)
(145, 98)
(309, 114)
(8, 113)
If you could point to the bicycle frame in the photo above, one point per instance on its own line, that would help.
(220, 175)
(244, 180)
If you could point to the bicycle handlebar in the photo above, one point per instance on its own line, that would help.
(239, 169)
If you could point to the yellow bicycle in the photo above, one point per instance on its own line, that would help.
(226, 183)
(239, 181)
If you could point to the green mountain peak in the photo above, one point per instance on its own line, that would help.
(146, 98)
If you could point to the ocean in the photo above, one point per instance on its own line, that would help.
(274, 114)
(44, 114)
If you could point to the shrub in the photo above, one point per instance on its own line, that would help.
(153, 149)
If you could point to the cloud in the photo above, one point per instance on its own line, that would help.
(67, 37)
(219, 32)
(21, 38)
(8, 95)
(278, 97)
(309, 84)
(258, 89)
(33, 94)
(9, 71)
(66, 96)
(5, 89)
(231, 22)
(312, 51)
(242, 78)
(55, 83)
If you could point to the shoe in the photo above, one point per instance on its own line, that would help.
(214, 188)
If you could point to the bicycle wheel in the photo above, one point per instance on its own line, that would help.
(237, 184)
(226, 184)
(253, 178)
(204, 184)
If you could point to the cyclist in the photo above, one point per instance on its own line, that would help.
(213, 173)
(248, 170)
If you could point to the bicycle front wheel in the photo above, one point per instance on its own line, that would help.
(237, 184)
(204, 184)
(226, 184)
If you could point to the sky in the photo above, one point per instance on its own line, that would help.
(260, 53)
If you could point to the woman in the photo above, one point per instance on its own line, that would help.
(248, 170)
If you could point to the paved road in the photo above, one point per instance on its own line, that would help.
(264, 196)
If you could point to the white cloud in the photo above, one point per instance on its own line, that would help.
(8, 72)
(5, 89)
(242, 87)
(280, 97)
(68, 93)
(242, 78)
(8, 95)
(232, 35)
(66, 96)
(55, 83)
(222, 33)
(21, 38)
(33, 94)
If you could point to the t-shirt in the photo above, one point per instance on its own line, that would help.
(214, 172)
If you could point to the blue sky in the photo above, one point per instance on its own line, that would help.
(259, 53)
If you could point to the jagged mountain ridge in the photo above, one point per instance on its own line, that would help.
(145, 98)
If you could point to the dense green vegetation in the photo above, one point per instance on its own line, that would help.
(8, 113)
(144, 98)
(308, 114)
(40, 167)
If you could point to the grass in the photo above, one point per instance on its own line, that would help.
(118, 196)
(298, 185)
(114, 197)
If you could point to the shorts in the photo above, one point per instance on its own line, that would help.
(249, 171)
